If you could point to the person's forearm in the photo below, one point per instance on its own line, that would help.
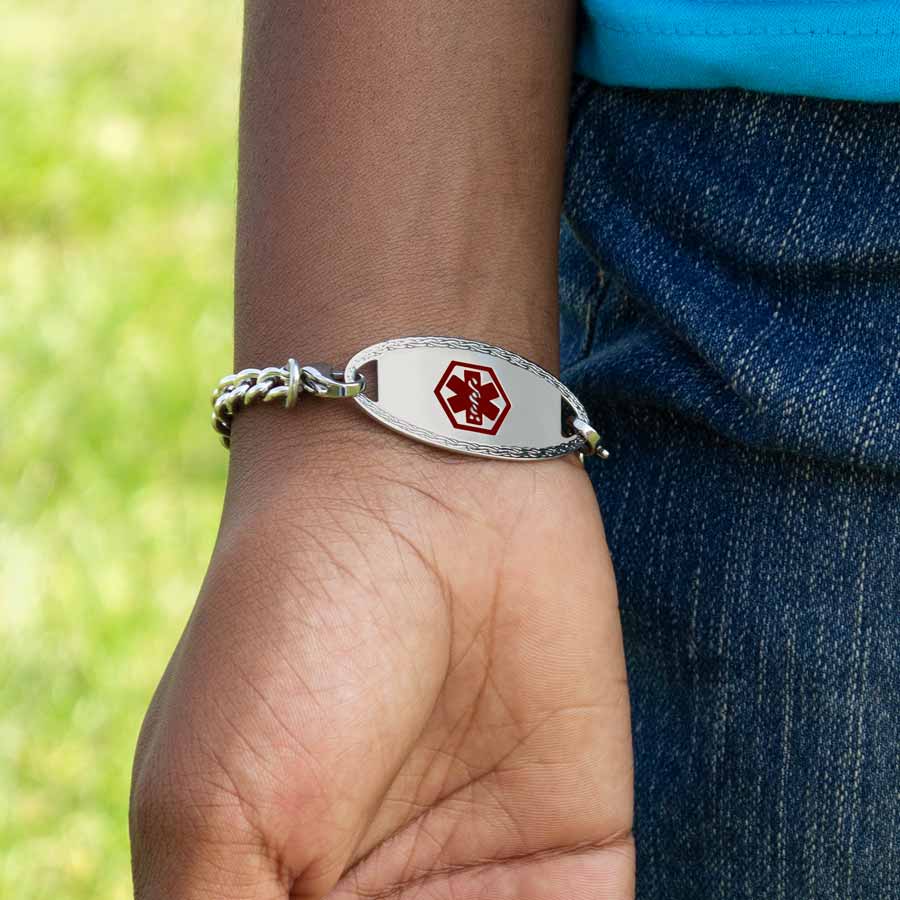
(404, 671)
(401, 171)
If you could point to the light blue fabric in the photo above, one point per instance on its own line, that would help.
(843, 49)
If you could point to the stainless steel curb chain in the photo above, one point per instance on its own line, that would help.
(267, 385)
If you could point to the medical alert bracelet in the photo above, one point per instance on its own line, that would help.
(461, 395)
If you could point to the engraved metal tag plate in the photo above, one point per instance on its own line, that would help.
(467, 396)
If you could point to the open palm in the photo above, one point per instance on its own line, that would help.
(397, 695)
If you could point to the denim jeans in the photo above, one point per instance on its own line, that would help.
(730, 313)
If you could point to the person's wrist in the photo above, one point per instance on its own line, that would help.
(346, 510)
(325, 468)
(322, 449)
(323, 446)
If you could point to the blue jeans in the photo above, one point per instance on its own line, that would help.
(730, 312)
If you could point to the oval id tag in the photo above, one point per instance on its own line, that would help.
(469, 397)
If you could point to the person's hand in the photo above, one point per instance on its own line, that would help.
(402, 679)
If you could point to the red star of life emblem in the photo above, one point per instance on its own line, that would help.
(472, 397)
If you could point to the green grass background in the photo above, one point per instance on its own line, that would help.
(117, 183)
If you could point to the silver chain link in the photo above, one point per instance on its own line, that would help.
(267, 385)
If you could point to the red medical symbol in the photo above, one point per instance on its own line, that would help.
(472, 397)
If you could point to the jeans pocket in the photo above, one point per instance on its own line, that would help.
(582, 287)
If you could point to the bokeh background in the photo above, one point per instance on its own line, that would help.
(117, 185)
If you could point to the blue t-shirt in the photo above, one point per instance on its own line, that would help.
(846, 49)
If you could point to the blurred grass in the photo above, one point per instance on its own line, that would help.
(117, 171)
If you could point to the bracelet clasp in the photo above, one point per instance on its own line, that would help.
(323, 380)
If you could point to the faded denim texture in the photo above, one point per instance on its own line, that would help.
(730, 311)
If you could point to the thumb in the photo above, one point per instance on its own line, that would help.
(191, 840)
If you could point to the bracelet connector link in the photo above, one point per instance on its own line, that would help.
(324, 380)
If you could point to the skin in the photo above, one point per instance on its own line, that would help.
(403, 677)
